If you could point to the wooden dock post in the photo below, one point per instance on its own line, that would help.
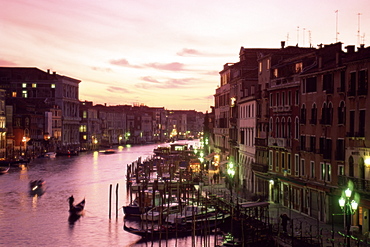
(117, 200)
(110, 201)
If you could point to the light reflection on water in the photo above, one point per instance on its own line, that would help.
(43, 220)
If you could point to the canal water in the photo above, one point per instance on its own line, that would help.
(27, 220)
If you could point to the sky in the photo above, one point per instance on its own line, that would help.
(164, 53)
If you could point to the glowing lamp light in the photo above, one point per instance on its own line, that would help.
(348, 193)
(342, 201)
(354, 205)
(367, 161)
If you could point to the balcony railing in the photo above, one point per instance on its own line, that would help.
(260, 167)
(360, 184)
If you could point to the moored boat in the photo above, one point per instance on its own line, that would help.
(4, 170)
(160, 212)
(190, 212)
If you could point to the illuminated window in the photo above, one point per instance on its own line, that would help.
(298, 67)
(84, 137)
(24, 85)
(83, 128)
(268, 64)
(14, 94)
(276, 74)
(34, 85)
(84, 114)
(260, 67)
(24, 94)
(53, 85)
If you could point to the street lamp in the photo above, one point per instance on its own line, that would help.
(231, 173)
(349, 206)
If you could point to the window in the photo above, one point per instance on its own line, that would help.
(24, 85)
(282, 161)
(298, 67)
(83, 128)
(313, 119)
(289, 165)
(34, 85)
(276, 74)
(361, 124)
(297, 97)
(271, 156)
(303, 142)
(328, 172)
(302, 167)
(328, 83)
(296, 164)
(313, 144)
(322, 171)
(312, 169)
(303, 114)
(14, 94)
(341, 113)
(352, 123)
(84, 114)
(277, 161)
(268, 64)
(296, 130)
(52, 85)
(260, 67)
(352, 84)
(341, 170)
(362, 82)
(311, 85)
(24, 94)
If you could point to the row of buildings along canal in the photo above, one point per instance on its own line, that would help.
(289, 123)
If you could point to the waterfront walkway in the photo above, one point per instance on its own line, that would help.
(300, 226)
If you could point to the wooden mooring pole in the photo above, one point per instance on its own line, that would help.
(110, 201)
(117, 201)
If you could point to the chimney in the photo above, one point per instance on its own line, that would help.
(48, 71)
(282, 44)
(350, 49)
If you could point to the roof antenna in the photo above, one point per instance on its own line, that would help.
(336, 26)
(297, 35)
(358, 31)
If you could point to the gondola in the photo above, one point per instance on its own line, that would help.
(37, 187)
(76, 210)
(4, 170)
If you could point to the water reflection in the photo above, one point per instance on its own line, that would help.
(37, 220)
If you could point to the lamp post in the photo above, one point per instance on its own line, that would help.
(231, 173)
(349, 206)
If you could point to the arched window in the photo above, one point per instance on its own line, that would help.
(303, 114)
(323, 114)
(289, 128)
(341, 113)
(271, 127)
(313, 119)
(277, 133)
(283, 130)
(329, 113)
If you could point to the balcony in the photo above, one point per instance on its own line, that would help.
(259, 167)
(262, 142)
(360, 184)
(278, 142)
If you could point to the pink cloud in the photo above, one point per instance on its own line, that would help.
(123, 62)
(167, 66)
(117, 90)
(189, 52)
(7, 63)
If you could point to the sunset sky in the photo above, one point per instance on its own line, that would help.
(164, 53)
